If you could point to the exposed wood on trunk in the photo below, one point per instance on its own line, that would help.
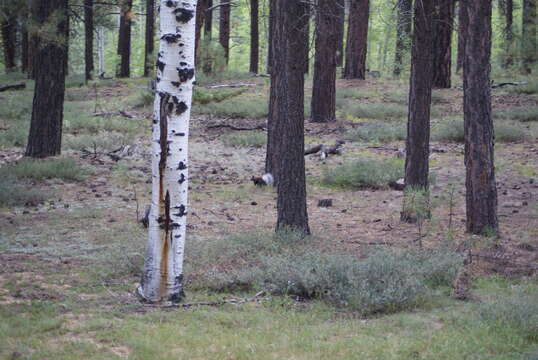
(357, 37)
(481, 195)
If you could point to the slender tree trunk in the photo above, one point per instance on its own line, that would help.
(403, 34)
(528, 45)
(418, 124)
(88, 30)
(463, 23)
(303, 23)
(254, 36)
(124, 40)
(45, 137)
(270, 37)
(357, 40)
(326, 60)
(224, 29)
(481, 195)
(24, 47)
(507, 10)
(341, 7)
(208, 23)
(149, 57)
(287, 86)
(9, 32)
(442, 58)
(200, 17)
(162, 280)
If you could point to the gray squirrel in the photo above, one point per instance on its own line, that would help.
(264, 180)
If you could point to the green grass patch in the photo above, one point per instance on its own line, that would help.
(255, 139)
(452, 130)
(205, 96)
(14, 193)
(76, 123)
(363, 173)
(519, 114)
(237, 107)
(381, 111)
(58, 168)
(529, 89)
(378, 132)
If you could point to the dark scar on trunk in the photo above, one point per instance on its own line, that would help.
(181, 108)
(183, 15)
(171, 38)
(160, 65)
(181, 179)
(185, 74)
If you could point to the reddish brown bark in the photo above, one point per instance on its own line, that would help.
(357, 37)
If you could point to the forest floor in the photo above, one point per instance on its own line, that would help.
(71, 243)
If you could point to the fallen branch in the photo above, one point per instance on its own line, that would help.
(325, 150)
(228, 85)
(18, 86)
(112, 113)
(233, 127)
(494, 86)
(234, 301)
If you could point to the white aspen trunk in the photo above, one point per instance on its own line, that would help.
(162, 280)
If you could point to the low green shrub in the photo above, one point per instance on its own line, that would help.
(530, 88)
(256, 139)
(452, 130)
(76, 122)
(205, 96)
(506, 132)
(519, 114)
(13, 193)
(374, 110)
(355, 93)
(237, 107)
(58, 168)
(379, 132)
(363, 173)
(102, 142)
(518, 311)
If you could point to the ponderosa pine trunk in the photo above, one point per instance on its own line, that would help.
(162, 280)
(303, 23)
(270, 37)
(528, 39)
(287, 86)
(341, 7)
(9, 39)
(507, 9)
(149, 58)
(442, 49)
(417, 146)
(403, 34)
(254, 36)
(357, 40)
(45, 137)
(463, 23)
(88, 32)
(208, 23)
(481, 196)
(200, 17)
(224, 28)
(323, 104)
(124, 39)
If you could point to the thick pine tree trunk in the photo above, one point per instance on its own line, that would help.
(341, 8)
(507, 9)
(403, 34)
(463, 23)
(324, 88)
(254, 36)
(45, 137)
(357, 40)
(9, 30)
(528, 45)
(224, 28)
(481, 195)
(88, 30)
(162, 280)
(124, 39)
(149, 58)
(442, 58)
(418, 124)
(287, 86)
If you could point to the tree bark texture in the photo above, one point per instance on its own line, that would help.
(254, 36)
(403, 34)
(208, 23)
(45, 137)
(270, 37)
(418, 124)
(507, 9)
(326, 60)
(9, 32)
(442, 58)
(286, 129)
(162, 280)
(200, 18)
(303, 23)
(150, 38)
(528, 45)
(341, 7)
(357, 40)
(481, 196)
(463, 23)
(124, 39)
(88, 45)
(224, 28)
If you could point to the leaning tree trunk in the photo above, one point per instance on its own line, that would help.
(442, 49)
(417, 145)
(324, 88)
(224, 28)
(528, 39)
(150, 38)
(463, 23)
(287, 86)
(403, 34)
(88, 30)
(9, 39)
(124, 40)
(481, 198)
(341, 8)
(357, 40)
(162, 280)
(45, 137)
(254, 36)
